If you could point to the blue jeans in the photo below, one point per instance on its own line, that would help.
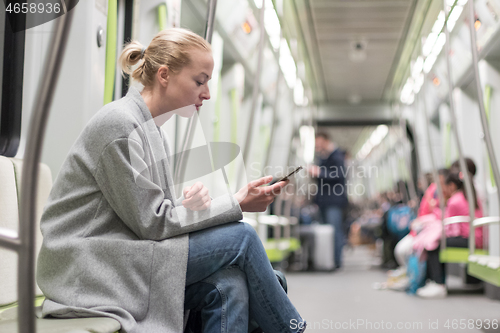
(236, 245)
(212, 297)
(333, 215)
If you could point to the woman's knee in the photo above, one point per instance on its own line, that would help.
(243, 230)
(231, 284)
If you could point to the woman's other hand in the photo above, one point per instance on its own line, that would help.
(196, 197)
(253, 198)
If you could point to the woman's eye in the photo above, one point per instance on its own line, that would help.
(199, 83)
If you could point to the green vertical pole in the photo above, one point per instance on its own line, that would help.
(162, 16)
(109, 76)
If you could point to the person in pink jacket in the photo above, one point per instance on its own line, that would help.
(457, 235)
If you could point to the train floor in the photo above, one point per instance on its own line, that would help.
(346, 301)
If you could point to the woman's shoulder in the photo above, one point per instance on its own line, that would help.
(113, 121)
(457, 198)
(457, 205)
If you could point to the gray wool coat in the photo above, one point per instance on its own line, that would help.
(116, 239)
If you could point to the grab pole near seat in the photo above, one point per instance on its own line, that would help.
(482, 113)
(453, 118)
(435, 172)
(24, 244)
(180, 164)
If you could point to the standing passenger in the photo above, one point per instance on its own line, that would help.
(332, 193)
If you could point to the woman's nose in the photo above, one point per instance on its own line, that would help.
(206, 93)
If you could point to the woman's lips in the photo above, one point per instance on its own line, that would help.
(198, 106)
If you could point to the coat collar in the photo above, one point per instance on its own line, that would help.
(152, 134)
(135, 95)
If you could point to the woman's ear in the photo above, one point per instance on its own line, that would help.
(163, 75)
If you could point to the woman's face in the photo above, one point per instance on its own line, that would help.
(449, 189)
(187, 89)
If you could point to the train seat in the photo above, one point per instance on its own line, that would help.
(457, 254)
(10, 180)
(483, 266)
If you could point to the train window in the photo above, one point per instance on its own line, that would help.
(11, 72)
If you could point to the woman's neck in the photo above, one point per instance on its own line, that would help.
(152, 102)
(155, 103)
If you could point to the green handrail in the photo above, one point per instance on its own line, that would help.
(162, 16)
(112, 30)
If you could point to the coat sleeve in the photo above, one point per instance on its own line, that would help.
(122, 176)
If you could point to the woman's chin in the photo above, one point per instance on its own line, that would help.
(186, 111)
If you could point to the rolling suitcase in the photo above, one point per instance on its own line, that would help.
(323, 247)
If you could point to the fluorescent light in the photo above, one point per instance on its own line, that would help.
(374, 140)
(419, 81)
(272, 24)
(431, 49)
(258, 3)
(298, 93)
(417, 67)
(287, 64)
(411, 99)
(453, 17)
(407, 89)
(439, 24)
(308, 141)
(429, 43)
(439, 44)
(429, 62)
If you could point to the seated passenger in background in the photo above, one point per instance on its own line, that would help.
(428, 205)
(395, 224)
(457, 234)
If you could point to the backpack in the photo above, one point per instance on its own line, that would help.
(398, 220)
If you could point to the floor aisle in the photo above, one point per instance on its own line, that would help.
(345, 301)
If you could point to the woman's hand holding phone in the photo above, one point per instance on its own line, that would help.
(196, 197)
(255, 198)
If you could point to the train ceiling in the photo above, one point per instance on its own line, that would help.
(353, 46)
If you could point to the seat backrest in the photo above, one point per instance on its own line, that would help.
(9, 219)
(10, 180)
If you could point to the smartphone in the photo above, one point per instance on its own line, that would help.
(289, 175)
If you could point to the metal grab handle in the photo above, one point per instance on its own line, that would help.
(412, 192)
(463, 165)
(180, 165)
(456, 219)
(275, 109)
(9, 239)
(435, 172)
(486, 220)
(482, 111)
(255, 92)
(25, 244)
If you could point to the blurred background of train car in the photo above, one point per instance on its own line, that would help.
(375, 75)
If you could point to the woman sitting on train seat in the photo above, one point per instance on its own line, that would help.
(117, 240)
(457, 235)
(427, 212)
